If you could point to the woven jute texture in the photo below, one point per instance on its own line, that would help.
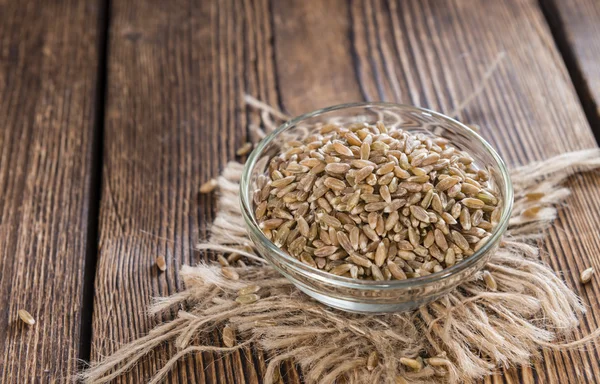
(463, 336)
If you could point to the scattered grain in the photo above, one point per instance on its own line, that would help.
(223, 261)
(531, 212)
(244, 149)
(228, 336)
(413, 364)
(233, 257)
(209, 186)
(161, 263)
(248, 290)
(372, 360)
(490, 282)
(230, 273)
(26, 317)
(586, 275)
(247, 299)
(535, 196)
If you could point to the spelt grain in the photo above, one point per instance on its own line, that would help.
(413, 364)
(209, 186)
(222, 260)
(367, 203)
(161, 263)
(248, 290)
(228, 336)
(244, 149)
(230, 273)
(247, 299)
(490, 282)
(586, 275)
(26, 317)
(372, 360)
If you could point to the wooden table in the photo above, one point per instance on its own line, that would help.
(113, 113)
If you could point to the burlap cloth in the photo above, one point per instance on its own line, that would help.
(471, 332)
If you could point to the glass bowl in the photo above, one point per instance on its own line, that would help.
(364, 295)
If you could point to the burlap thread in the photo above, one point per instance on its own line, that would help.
(472, 331)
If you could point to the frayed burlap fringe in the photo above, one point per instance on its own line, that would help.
(472, 331)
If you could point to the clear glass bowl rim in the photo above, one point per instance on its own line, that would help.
(347, 282)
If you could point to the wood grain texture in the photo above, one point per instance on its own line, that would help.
(576, 27)
(175, 116)
(177, 72)
(48, 75)
(434, 54)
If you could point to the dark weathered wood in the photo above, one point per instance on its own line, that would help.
(48, 74)
(175, 116)
(177, 72)
(433, 54)
(576, 28)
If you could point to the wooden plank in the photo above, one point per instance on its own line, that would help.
(175, 116)
(576, 27)
(177, 73)
(49, 57)
(434, 54)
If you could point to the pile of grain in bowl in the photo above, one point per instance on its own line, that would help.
(370, 203)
